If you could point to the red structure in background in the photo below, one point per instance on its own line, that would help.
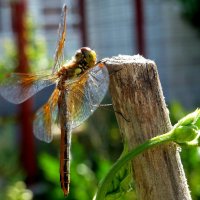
(18, 9)
(138, 10)
(83, 24)
(139, 21)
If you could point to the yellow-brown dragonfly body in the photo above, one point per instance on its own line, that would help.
(81, 84)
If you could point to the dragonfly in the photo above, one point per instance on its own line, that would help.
(80, 85)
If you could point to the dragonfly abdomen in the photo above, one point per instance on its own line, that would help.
(65, 143)
(65, 159)
(65, 170)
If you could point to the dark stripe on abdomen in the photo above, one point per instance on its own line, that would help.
(65, 169)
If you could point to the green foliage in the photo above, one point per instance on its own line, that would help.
(191, 12)
(176, 111)
(10, 169)
(122, 186)
(35, 51)
(18, 191)
(50, 168)
(9, 61)
(191, 162)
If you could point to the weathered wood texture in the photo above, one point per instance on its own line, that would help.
(137, 94)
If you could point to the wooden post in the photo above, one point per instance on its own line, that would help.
(137, 94)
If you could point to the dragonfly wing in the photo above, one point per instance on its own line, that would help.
(58, 57)
(18, 87)
(44, 118)
(84, 96)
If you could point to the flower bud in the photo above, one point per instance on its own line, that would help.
(191, 118)
(187, 130)
(197, 123)
(185, 134)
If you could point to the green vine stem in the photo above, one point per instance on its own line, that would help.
(101, 193)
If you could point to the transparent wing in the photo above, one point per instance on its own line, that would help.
(85, 95)
(44, 118)
(58, 57)
(18, 87)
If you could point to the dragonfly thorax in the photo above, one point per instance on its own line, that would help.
(84, 59)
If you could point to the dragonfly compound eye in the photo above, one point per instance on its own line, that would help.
(90, 56)
(78, 55)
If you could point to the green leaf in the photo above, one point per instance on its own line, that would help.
(50, 167)
(122, 181)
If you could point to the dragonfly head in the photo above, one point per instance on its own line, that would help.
(85, 56)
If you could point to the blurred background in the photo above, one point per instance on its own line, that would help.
(166, 31)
